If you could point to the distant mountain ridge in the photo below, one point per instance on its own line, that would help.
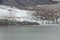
(24, 3)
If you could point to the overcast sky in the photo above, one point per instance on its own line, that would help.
(56, 0)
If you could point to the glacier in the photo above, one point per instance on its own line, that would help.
(15, 14)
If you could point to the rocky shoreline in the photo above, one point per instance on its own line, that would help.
(7, 22)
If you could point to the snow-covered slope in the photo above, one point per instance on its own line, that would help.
(15, 14)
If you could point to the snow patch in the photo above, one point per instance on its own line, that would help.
(18, 14)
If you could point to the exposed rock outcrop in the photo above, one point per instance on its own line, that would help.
(7, 22)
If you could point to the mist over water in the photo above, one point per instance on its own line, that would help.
(33, 32)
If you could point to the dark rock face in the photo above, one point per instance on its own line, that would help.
(7, 22)
(23, 3)
(1, 1)
(32, 2)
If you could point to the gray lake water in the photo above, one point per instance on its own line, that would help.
(30, 32)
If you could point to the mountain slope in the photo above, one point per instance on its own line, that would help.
(16, 15)
(25, 3)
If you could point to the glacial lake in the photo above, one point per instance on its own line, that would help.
(29, 32)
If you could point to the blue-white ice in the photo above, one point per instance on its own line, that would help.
(20, 15)
(24, 15)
